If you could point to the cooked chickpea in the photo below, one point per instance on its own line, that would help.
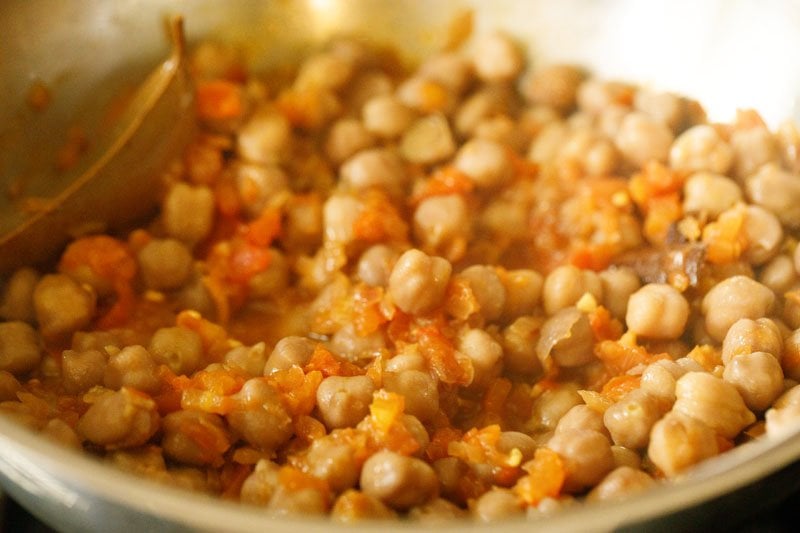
(428, 140)
(523, 290)
(752, 148)
(333, 462)
(348, 344)
(374, 167)
(485, 162)
(747, 335)
(618, 283)
(555, 86)
(763, 233)
(272, 280)
(581, 417)
(20, 347)
(701, 148)
(758, 378)
(9, 386)
(484, 352)
(17, 299)
(626, 457)
(259, 486)
(496, 505)
(497, 58)
(782, 421)
(81, 371)
(418, 281)
(659, 378)
(732, 299)
(419, 389)
(709, 193)
(586, 455)
(353, 506)
(181, 349)
(488, 290)
(777, 191)
(436, 511)
(621, 483)
(265, 138)
(667, 108)
(324, 70)
(290, 351)
(486, 102)
(260, 418)
(122, 419)
(519, 346)
(449, 68)
(194, 437)
(375, 264)
(344, 401)
(425, 95)
(188, 213)
(566, 338)
(132, 367)
(386, 116)
(642, 138)
(259, 184)
(713, 401)
(62, 306)
(62, 433)
(398, 481)
(678, 441)
(778, 274)
(307, 501)
(566, 284)
(442, 225)
(630, 420)
(790, 357)
(657, 311)
(597, 155)
(596, 96)
(339, 214)
(165, 264)
(547, 145)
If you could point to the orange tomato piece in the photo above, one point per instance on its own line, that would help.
(219, 99)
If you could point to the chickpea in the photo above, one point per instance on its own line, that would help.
(374, 167)
(121, 419)
(790, 358)
(333, 462)
(618, 284)
(305, 501)
(428, 140)
(259, 487)
(271, 281)
(344, 401)
(523, 290)
(777, 191)
(747, 335)
(442, 225)
(9, 386)
(132, 367)
(752, 148)
(626, 457)
(62, 433)
(763, 233)
(260, 418)
(597, 155)
(62, 306)
(324, 70)
(642, 138)
(448, 68)
(667, 108)
(17, 299)
(566, 338)
(709, 193)
(418, 281)
(20, 347)
(486, 102)
(782, 421)
(259, 184)
(630, 420)
(386, 116)
(657, 311)
(713, 401)
(778, 274)
(701, 148)
(181, 349)
(547, 145)
(488, 290)
(581, 417)
(484, 352)
(352, 346)
(419, 389)
(678, 441)
(495, 505)
(425, 95)
(485, 162)
(497, 58)
(758, 378)
(288, 352)
(339, 214)
(188, 213)
(81, 371)
(417, 430)
(436, 511)
(659, 378)
(375, 264)
(555, 86)
(398, 481)
(734, 298)
(265, 138)
(165, 264)
(187, 435)
(249, 360)
(621, 483)
(566, 284)
(586, 455)
(596, 96)
(353, 506)
(519, 346)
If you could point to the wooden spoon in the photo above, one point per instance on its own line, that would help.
(121, 184)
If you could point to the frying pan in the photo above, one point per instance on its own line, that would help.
(725, 53)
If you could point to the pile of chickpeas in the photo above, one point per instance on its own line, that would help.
(474, 288)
